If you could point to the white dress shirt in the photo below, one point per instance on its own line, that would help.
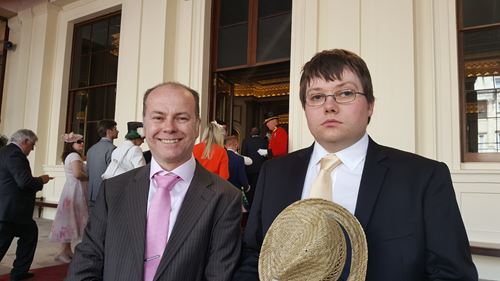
(178, 192)
(345, 178)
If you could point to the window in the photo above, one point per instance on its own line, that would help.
(92, 86)
(252, 32)
(479, 70)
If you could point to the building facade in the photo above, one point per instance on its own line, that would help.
(413, 56)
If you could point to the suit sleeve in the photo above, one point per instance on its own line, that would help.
(88, 261)
(242, 173)
(247, 269)
(19, 168)
(225, 241)
(448, 252)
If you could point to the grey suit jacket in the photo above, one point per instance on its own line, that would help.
(204, 243)
(98, 159)
(17, 186)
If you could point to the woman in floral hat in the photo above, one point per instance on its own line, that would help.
(72, 212)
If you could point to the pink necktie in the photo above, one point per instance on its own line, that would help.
(157, 223)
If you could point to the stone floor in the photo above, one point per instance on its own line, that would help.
(45, 251)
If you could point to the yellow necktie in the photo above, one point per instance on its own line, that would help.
(322, 185)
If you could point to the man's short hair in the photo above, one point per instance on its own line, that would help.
(174, 85)
(104, 125)
(330, 66)
(231, 140)
(23, 134)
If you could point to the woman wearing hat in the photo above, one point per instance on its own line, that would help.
(128, 155)
(72, 213)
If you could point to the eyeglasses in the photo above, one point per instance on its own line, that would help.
(79, 141)
(315, 98)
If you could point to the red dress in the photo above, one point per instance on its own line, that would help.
(218, 162)
(278, 143)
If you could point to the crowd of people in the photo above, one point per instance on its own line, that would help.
(174, 212)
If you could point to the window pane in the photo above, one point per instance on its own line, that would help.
(272, 7)
(99, 36)
(98, 66)
(232, 12)
(233, 45)
(480, 12)
(274, 38)
(481, 44)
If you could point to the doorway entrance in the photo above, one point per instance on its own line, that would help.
(250, 63)
(243, 96)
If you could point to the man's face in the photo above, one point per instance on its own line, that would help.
(112, 133)
(338, 126)
(27, 146)
(271, 124)
(171, 125)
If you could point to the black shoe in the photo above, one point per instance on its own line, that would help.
(21, 276)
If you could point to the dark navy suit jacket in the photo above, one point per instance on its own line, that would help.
(406, 206)
(18, 187)
(237, 174)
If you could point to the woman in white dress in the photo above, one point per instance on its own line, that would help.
(72, 212)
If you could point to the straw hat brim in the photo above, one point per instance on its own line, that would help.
(306, 242)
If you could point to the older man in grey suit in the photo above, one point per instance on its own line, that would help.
(197, 231)
(99, 156)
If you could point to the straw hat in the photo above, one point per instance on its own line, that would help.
(306, 242)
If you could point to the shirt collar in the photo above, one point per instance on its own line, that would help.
(184, 171)
(350, 156)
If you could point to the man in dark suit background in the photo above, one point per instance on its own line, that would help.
(250, 148)
(237, 173)
(17, 201)
(405, 203)
(204, 230)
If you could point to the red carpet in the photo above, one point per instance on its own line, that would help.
(50, 273)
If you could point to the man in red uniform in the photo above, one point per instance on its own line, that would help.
(278, 143)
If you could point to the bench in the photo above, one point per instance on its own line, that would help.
(40, 204)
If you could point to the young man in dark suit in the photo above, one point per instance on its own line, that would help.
(405, 203)
(17, 201)
(202, 238)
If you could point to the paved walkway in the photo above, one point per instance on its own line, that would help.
(45, 251)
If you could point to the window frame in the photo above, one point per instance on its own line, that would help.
(72, 91)
(467, 156)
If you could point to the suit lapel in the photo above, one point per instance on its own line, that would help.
(137, 200)
(194, 204)
(294, 182)
(371, 182)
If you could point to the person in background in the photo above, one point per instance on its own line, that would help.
(99, 156)
(170, 220)
(128, 155)
(405, 203)
(250, 147)
(278, 141)
(18, 189)
(72, 213)
(3, 141)
(237, 173)
(210, 152)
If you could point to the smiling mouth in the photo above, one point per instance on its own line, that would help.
(169, 141)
